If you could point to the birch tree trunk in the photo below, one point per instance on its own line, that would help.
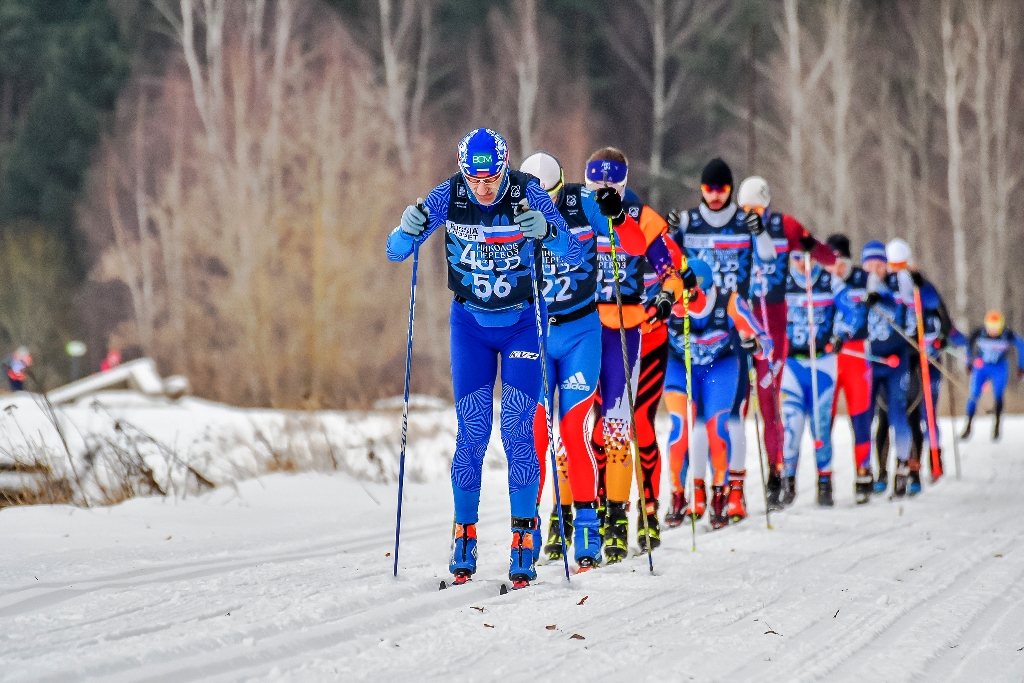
(527, 72)
(952, 49)
(796, 107)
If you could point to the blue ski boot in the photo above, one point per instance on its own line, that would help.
(463, 562)
(914, 482)
(587, 534)
(521, 568)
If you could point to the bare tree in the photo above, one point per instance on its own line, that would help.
(954, 53)
(673, 27)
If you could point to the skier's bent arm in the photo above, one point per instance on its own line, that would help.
(400, 243)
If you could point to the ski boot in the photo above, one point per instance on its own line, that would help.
(966, 434)
(553, 547)
(882, 482)
(719, 500)
(914, 482)
(616, 532)
(862, 488)
(463, 562)
(588, 538)
(675, 516)
(899, 482)
(521, 565)
(652, 526)
(995, 427)
(825, 491)
(774, 492)
(736, 507)
(788, 490)
(700, 501)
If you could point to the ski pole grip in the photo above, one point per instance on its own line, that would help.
(522, 207)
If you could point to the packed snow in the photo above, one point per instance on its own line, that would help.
(288, 578)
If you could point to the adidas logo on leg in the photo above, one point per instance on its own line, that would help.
(577, 382)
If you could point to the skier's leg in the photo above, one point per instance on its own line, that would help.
(999, 375)
(915, 412)
(769, 386)
(794, 407)
(619, 468)
(737, 411)
(653, 362)
(823, 452)
(474, 366)
(718, 390)
(678, 440)
(898, 382)
(880, 399)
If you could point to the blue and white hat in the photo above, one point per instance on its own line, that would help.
(482, 154)
(873, 250)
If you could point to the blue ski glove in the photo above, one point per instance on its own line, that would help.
(414, 220)
(532, 224)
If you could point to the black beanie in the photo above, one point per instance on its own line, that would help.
(716, 173)
(840, 244)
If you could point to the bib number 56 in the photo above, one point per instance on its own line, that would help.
(483, 288)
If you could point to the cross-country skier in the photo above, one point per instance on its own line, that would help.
(889, 323)
(574, 351)
(721, 327)
(987, 363)
(768, 287)
(720, 234)
(937, 329)
(491, 267)
(820, 315)
(608, 167)
(853, 369)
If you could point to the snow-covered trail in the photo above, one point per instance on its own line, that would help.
(289, 578)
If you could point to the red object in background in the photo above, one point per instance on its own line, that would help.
(112, 360)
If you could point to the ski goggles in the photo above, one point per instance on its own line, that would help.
(606, 171)
(492, 179)
(716, 189)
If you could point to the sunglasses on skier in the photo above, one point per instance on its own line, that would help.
(483, 180)
(715, 189)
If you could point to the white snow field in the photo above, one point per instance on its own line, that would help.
(288, 578)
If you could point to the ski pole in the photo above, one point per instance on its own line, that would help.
(634, 444)
(761, 452)
(408, 373)
(891, 361)
(689, 417)
(818, 442)
(542, 347)
(926, 385)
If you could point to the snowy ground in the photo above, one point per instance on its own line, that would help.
(289, 578)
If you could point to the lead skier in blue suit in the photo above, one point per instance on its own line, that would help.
(491, 266)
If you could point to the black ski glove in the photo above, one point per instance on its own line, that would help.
(749, 344)
(674, 220)
(610, 203)
(753, 223)
(917, 279)
(808, 243)
(689, 279)
(836, 342)
(660, 307)
(872, 299)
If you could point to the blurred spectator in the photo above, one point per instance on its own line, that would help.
(112, 360)
(17, 364)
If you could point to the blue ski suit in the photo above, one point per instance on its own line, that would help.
(832, 306)
(988, 362)
(491, 267)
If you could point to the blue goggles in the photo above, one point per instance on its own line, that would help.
(605, 171)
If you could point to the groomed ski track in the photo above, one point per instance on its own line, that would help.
(289, 579)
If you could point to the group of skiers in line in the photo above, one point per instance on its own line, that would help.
(722, 306)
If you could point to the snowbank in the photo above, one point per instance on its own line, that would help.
(119, 444)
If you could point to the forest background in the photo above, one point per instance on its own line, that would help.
(210, 182)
